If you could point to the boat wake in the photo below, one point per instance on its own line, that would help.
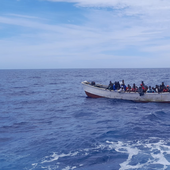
(149, 154)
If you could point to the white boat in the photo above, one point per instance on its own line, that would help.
(100, 91)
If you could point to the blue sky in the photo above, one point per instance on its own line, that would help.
(37, 34)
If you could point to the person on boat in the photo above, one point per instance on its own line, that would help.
(128, 88)
(153, 89)
(134, 88)
(168, 88)
(144, 87)
(121, 90)
(142, 83)
(122, 85)
(157, 89)
(110, 86)
(140, 91)
(162, 87)
(93, 83)
(117, 85)
(114, 86)
(165, 89)
(150, 90)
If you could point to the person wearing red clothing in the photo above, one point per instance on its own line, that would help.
(165, 90)
(144, 87)
(128, 88)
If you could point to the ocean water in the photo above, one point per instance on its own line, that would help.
(48, 123)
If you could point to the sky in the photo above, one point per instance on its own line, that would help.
(52, 34)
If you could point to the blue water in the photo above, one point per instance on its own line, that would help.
(48, 123)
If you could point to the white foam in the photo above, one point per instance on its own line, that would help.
(153, 152)
(34, 166)
(49, 168)
(66, 168)
(55, 156)
(131, 152)
(69, 168)
(158, 157)
(125, 148)
(157, 150)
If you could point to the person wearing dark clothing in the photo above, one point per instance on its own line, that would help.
(142, 83)
(128, 88)
(114, 87)
(168, 88)
(110, 87)
(162, 87)
(140, 91)
(158, 90)
(110, 84)
(117, 85)
(93, 83)
(154, 89)
(134, 89)
(144, 87)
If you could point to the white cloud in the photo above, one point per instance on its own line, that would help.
(23, 16)
(148, 6)
(141, 25)
(150, 11)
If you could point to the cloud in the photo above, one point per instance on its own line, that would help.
(152, 14)
(90, 36)
(22, 16)
(133, 34)
(148, 6)
(149, 11)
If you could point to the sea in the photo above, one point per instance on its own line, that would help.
(48, 123)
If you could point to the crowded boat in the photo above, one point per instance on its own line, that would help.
(117, 86)
(119, 90)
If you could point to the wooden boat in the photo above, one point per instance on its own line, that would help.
(101, 91)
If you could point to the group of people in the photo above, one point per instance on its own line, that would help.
(144, 88)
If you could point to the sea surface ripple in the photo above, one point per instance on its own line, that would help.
(48, 123)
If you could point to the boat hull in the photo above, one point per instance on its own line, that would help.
(97, 92)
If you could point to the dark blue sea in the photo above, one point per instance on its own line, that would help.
(48, 123)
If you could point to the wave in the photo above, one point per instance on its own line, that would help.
(153, 153)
